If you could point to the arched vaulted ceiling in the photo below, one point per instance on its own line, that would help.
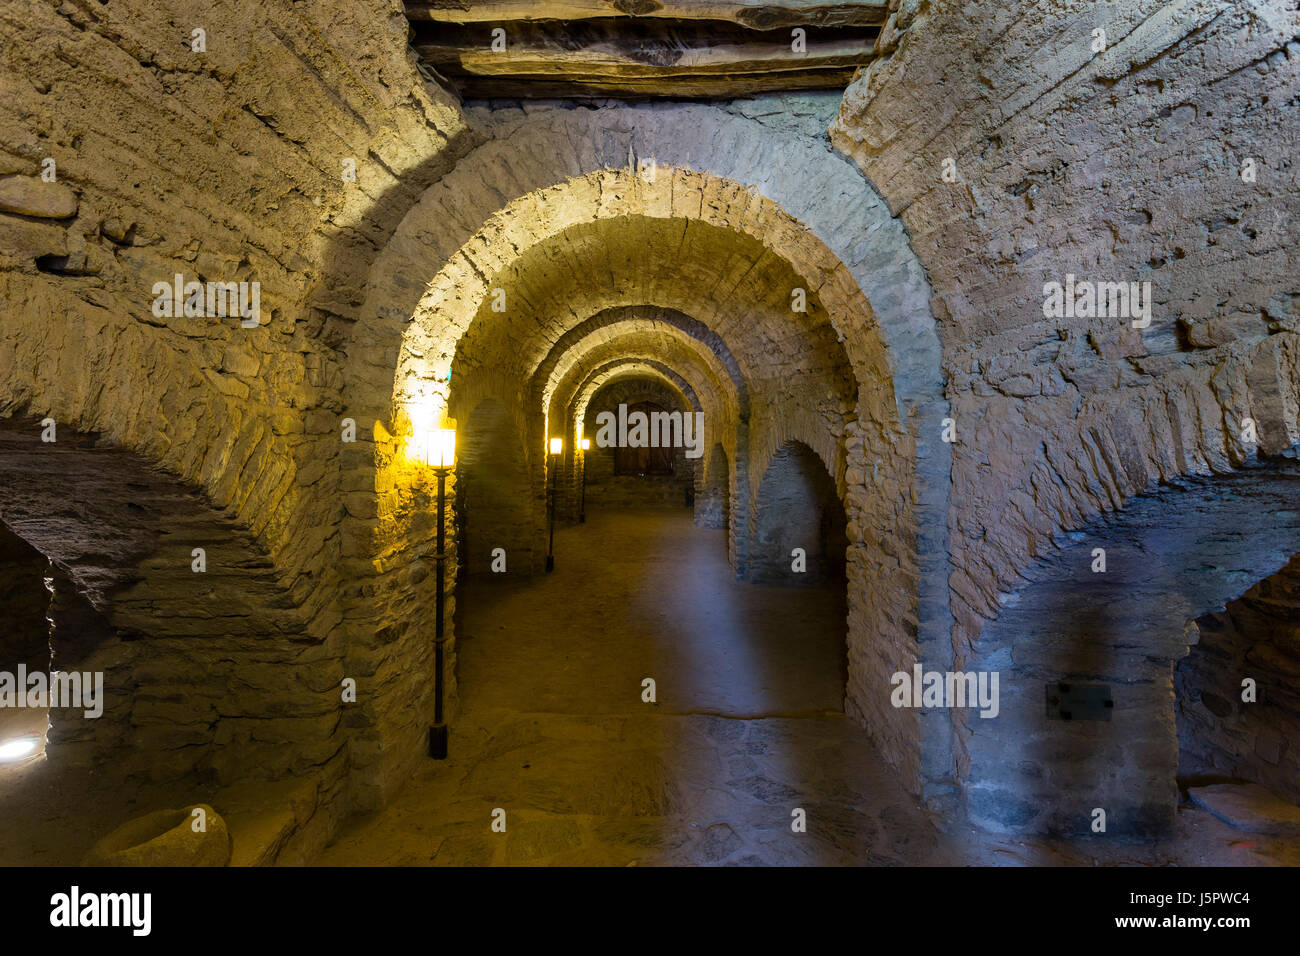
(608, 323)
(684, 356)
(644, 372)
(735, 288)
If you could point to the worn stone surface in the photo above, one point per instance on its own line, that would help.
(581, 231)
(1220, 732)
(221, 164)
(608, 489)
(590, 775)
(662, 241)
(1169, 558)
(1124, 165)
(30, 196)
(166, 838)
(1249, 807)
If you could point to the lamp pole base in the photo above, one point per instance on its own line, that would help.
(438, 741)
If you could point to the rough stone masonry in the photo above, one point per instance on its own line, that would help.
(854, 279)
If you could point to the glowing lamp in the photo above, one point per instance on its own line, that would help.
(586, 444)
(440, 448)
(557, 444)
(18, 748)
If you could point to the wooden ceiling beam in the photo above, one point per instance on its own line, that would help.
(754, 14)
(713, 87)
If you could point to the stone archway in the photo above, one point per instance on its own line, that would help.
(870, 435)
(799, 527)
(1237, 692)
(1105, 619)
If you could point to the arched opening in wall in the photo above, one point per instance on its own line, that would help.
(186, 671)
(1071, 700)
(1238, 705)
(799, 541)
(494, 515)
(799, 525)
(736, 304)
(24, 648)
(713, 504)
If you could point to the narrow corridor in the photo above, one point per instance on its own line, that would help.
(748, 725)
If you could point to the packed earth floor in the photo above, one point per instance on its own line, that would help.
(747, 727)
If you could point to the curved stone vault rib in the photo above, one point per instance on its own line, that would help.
(624, 368)
(684, 362)
(546, 374)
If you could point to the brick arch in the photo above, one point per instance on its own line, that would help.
(470, 228)
(607, 321)
(713, 507)
(630, 385)
(1170, 556)
(681, 358)
(678, 364)
(209, 675)
(572, 408)
(822, 193)
(620, 368)
(797, 505)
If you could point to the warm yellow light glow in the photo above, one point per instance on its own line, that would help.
(439, 447)
(586, 444)
(18, 748)
(556, 445)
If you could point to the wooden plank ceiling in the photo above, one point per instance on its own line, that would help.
(638, 49)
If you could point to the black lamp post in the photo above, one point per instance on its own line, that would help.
(582, 511)
(440, 454)
(556, 445)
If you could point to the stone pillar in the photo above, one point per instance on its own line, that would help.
(83, 643)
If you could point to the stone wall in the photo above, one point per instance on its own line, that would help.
(493, 496)
(234, 162)
(550, 223)
(713, 495)
(131, 155)
(607, 490)
(1112, 610)
(1124, 165)
(1256, 638)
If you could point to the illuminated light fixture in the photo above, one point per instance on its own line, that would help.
(440, 448)
(586, 444)
(19, 748)
(557, 445)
